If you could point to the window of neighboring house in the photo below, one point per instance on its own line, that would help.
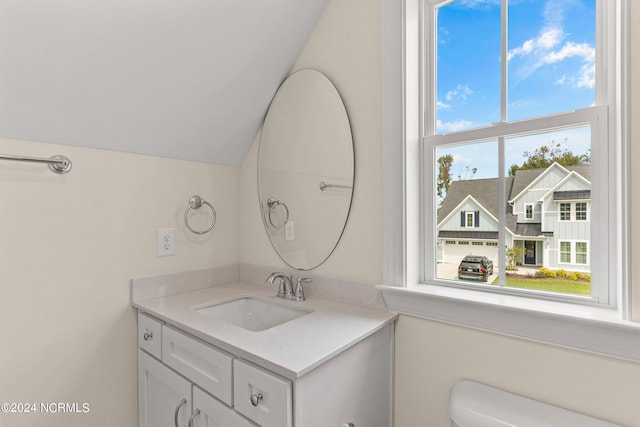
(528, 121)
(469, 219)
(565, 211)
(581, 253)
(581, 211)
(528, 211)
(565, 252)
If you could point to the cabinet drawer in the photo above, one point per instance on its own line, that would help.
(206, 366)
(262, 396)
(215, 414)
(150, 335)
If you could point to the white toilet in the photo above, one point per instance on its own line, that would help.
(473, 404)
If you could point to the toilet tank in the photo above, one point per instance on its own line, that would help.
(473, 404)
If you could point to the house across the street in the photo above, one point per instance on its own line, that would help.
(547, 211)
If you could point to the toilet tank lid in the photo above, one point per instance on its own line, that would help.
(472, 404)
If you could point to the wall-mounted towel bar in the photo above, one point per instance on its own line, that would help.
(57, 164)
(324, 186)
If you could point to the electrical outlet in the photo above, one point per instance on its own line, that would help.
(166, 241)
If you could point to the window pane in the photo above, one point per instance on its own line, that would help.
(547, 173)
(581, 252)
(551, 57)
(581, 211)
(565, 252)
(467, 212)
(565, 211)
(468, 66)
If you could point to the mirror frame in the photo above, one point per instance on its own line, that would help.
(266, 211)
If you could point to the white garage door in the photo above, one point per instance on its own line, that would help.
(453, 251)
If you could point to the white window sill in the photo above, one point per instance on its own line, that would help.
(586, 328)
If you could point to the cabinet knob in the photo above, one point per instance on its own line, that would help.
(349, 425)
(256, 398)
(147, 336)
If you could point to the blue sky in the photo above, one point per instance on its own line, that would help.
(551, 60)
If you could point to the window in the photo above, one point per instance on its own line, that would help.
(581, 211)
(565, 211)
(409, 38)
(565, 252)
(515, 108)
(581, 253)
(528, 211)
(469, 219)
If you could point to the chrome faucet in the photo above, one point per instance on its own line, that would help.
(285, 290)
(300, 290)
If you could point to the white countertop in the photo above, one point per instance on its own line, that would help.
(290, 349)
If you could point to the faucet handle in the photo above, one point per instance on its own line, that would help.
(300, 290)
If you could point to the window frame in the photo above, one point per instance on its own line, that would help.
(564, 215)
(603, 290)
(529, 208)
(601, 330)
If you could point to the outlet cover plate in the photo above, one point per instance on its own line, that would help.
(166, 241)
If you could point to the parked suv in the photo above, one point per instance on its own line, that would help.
(475, 267)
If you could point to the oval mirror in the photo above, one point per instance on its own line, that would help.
(305, 170)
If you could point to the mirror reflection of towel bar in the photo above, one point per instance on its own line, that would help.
(324, 186)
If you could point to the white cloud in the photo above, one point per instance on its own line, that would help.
(550, 47)
(548, 39)
(460, 92)
(442, 106)
(454, 126)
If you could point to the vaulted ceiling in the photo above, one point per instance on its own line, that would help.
(187, 79)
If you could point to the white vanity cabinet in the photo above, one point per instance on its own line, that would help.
(177, 389)
(191, 383)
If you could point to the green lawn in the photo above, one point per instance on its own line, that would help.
(575, 287)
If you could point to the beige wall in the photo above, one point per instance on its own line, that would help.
(431, 357)
(68, 246)
(349, 55)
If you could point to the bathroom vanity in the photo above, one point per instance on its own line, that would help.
(322, 363)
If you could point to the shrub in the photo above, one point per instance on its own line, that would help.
(561, 273)
(579, 275)
(546, 272)
(572, 276)
(587, 277)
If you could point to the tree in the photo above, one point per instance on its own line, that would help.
(544, 156)
(514, 257)
(444, 175)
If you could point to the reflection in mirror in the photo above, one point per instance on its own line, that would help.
(305, 170)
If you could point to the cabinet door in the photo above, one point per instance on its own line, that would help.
(163, 395)
(214, 413)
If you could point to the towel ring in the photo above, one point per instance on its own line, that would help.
(196, 202)
(273, 204)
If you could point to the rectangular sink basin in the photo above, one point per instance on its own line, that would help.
(252, 314)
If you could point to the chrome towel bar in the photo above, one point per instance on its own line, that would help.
(324, 186)
(58, 164)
